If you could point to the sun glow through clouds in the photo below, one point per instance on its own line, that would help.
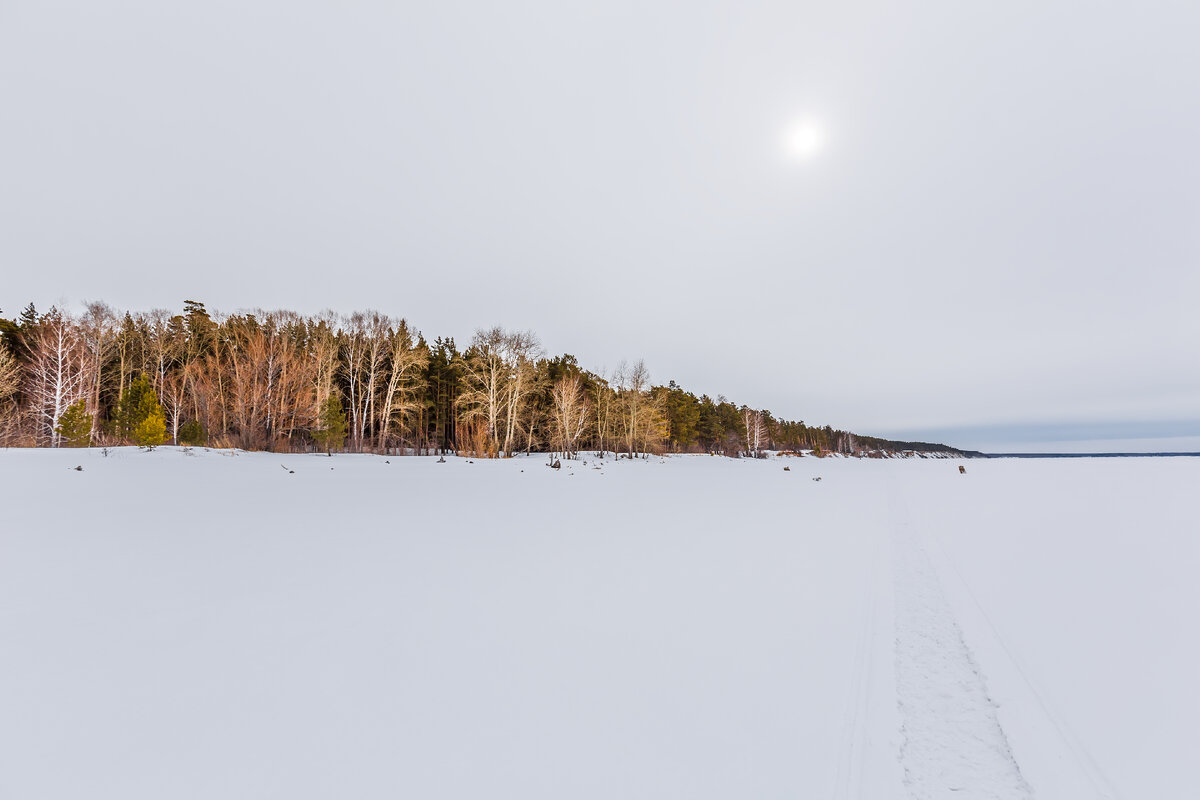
(803, 140)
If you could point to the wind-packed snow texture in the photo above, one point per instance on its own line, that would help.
(215, 624)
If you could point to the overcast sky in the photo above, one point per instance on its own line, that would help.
(989, 231)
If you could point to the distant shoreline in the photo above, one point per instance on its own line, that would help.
(1090, 455)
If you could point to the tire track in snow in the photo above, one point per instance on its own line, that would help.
(952, 743)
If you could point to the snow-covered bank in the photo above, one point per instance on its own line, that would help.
(210, 624)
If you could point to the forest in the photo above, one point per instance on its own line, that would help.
(366, 382)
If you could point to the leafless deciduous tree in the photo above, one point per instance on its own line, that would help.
(571, 413)
(756, 430)
(485, 373)
(10, 383)
(498, 371)
(270, 387)
(404, 361)
(603, 403)
(165, 347)
(324, 346)
(98, 333)
(258, 380)
(364, 350)
(641, 420)
(521, 352)
(58, 374)
(10, 379)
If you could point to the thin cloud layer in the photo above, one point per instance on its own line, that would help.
(997, 227)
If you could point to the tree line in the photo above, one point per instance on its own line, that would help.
(365, 382)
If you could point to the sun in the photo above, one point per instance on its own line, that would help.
(803, 140)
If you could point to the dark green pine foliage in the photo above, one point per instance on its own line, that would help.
(15, 332)
(8, 330)
(29, 317)
(443, 381)
(209, 364)
(333, 428)
(152, 430)
(75, 426)
(683, 413)
(126, 419)
(192, 433)
(140, 418)
(200, 328)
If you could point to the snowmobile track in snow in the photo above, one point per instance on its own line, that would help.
(849, 781)
(952, 743)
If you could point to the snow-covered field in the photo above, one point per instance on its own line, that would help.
(211, 625)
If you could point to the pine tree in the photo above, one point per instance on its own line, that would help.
(333, 428)
(9, 331)
(140, 417)
(200, 328)
(75, 426)
(151, 431)
(192, 433)
(29, 317)
(135, 405)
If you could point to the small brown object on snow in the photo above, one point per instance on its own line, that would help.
(79, 468)
(817, 478)
(787, 469)
(962, 470)
(556, 465)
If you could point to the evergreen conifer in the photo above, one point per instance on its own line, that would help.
(151, 431)
(333, 429)
(192, 433)
(132, 407)
(140, 417)
(29, 317)
(75, 426)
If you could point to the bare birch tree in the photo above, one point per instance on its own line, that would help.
(57, 372)
(485, 374)
(603, 402)
(641, 421)
(98, 334)
(633, 383)
(10, 378)
(365, 348)
(164, 348)
(499, 376)
(324, 346)
(404, 363)
(10, 382)
(174, 399)
(756, 430)
(521, 352)
(571, 413)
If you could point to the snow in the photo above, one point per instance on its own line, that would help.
(198, 624)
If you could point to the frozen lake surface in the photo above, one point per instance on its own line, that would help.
(208, 624)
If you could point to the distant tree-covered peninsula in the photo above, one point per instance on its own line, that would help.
(363, 383)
